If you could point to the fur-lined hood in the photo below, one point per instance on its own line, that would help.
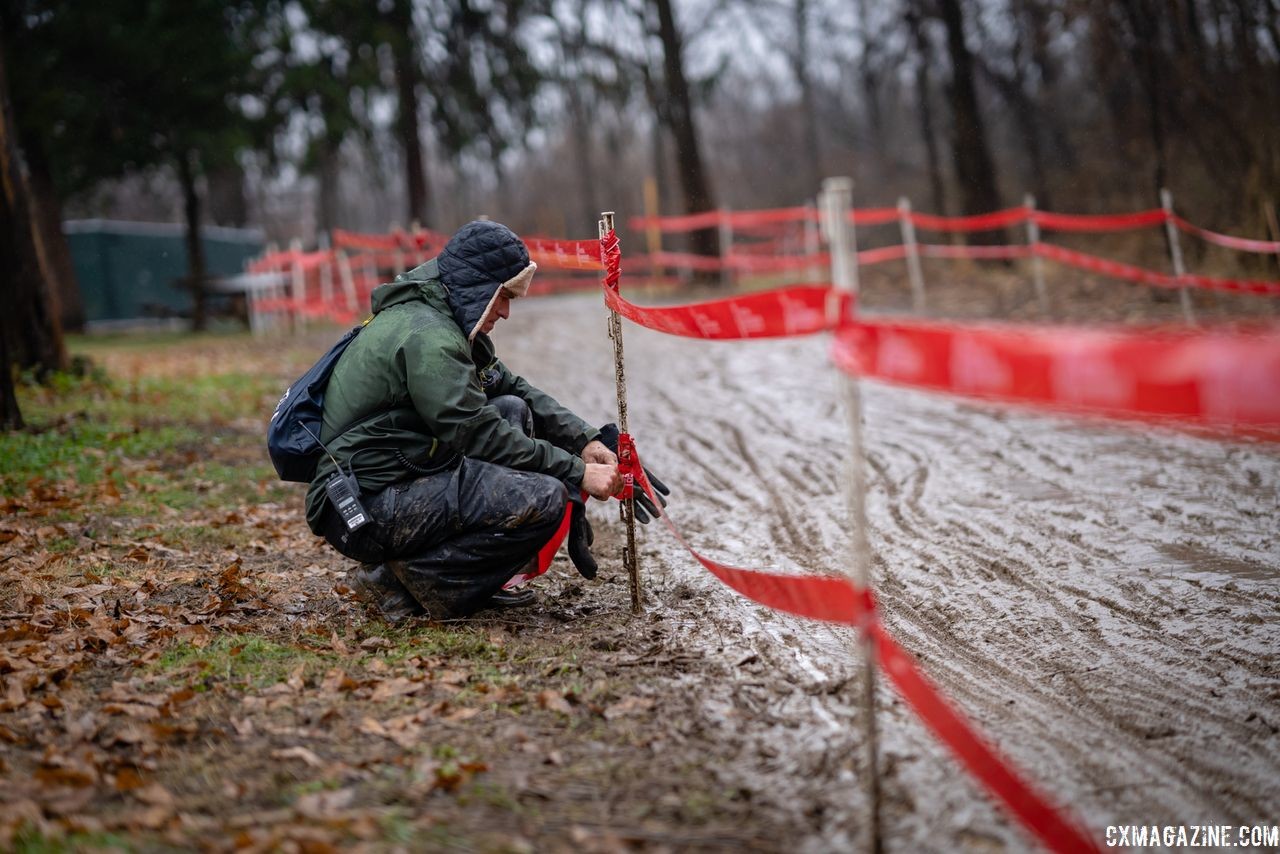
(479, 260)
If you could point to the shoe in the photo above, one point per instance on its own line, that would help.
(518, 598)
(378, 586)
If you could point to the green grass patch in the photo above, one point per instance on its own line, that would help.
(455, 642)
(31, 841)
(244, 660)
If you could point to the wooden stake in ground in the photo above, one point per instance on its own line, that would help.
(837, 204)
(914, 272)
(1037, 263)
(620, 380)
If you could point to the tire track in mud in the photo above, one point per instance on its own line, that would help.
(1116, 711)
(1017, 556)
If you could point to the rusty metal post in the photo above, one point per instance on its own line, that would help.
(1175, 255)
(913, 253)
(628, 510)
(837, 207)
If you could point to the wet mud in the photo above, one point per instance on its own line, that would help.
(1102, 600)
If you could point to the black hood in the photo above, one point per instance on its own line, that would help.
(476, 261)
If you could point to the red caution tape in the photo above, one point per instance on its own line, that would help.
(873, 216)
(997, 775)
(1128, 272)
(692, 222)
(564, 254)
(839, 600)
(792, 310)
(1219, 379)
(1099, 222)
(776, 216)
(1242, 244)
(868, 257)
(981, 222)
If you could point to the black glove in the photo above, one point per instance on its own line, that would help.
(645, 508)
(580, 539)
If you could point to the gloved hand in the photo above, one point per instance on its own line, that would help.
(645, 508)
(580, 539)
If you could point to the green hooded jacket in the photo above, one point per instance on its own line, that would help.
(411, 393)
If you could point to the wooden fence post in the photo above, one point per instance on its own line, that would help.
(914, 271)
(1037, 263)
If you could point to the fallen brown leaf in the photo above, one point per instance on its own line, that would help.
(554, 702)
(154, 795)
(627, 706)
(298, 752)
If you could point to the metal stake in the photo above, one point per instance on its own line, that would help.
(620, 380)
(837, 204)
(1175, 255)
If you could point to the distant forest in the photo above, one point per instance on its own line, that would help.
(307, 115)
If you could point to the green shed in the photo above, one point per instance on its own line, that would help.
(130, 270)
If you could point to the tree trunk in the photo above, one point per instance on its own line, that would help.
(1143, 54)
(10, 413)
(227, 203)
(48, 214)
(924, 101)
(970, 151)
(693, 178)
(808, 98)
(32, 331)
(195, 246)
(404, 49)
(328, 171)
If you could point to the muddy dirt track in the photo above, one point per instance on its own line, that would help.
(1103, 600)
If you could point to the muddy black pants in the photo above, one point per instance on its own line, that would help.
(454, 537)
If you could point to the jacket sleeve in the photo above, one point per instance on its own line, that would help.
(561, 427)
(445, 391)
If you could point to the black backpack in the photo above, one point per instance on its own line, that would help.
(293, 435)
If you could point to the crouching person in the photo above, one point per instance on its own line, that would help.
(464, 469)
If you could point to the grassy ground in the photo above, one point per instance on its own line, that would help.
(182, 664)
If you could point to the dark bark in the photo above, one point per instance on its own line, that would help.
(227, 203)
(1027, 119)
(404, 49)
(583, 162)
(924, 103)
(10, 412)
(684, 130)
(328, 171)
(48, 213)
(1142, 51)
(32, 331)
(970, 150)
(808, 97)
(196, 271)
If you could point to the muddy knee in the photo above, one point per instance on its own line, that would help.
(515, 411)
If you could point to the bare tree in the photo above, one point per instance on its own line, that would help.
(971, 153)
(680, 118)
(32, 330)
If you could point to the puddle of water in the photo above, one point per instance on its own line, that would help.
(1202, 560)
